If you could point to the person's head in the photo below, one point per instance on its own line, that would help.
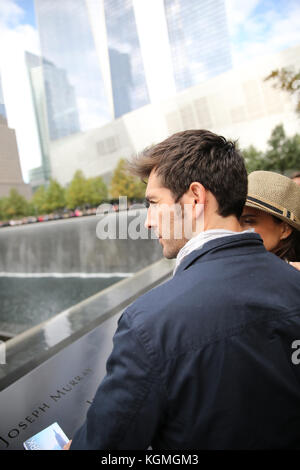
(296, 177)
(273, 209)
(196, 169)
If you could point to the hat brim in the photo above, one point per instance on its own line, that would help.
(269, 208)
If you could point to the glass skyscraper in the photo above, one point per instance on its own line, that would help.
(128, 79)
(100, 60)
(74, 76)
(42, 109)
(199, 40)
(62, 109)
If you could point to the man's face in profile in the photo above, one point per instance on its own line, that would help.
(165, 217)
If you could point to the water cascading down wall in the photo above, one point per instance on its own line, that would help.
(73, 246)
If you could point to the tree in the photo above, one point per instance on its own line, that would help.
(96, 190)
(77, 191)
(124, 184)
(282, 154)
(254, 159)
(3, 205)
(39, 201)
(14, 205)
(55, 196)
(287, 80)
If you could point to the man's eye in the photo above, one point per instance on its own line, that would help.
(149, 203)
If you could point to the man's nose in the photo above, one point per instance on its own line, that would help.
(149, 222)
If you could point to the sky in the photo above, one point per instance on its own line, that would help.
(256, 28)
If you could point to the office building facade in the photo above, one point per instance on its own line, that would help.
(40, 175)
(199, 40)
(10, 169)
(68, 44)
(120, 55)
(127, 72)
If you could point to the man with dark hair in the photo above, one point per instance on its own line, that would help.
(205, 360)
(190, 168)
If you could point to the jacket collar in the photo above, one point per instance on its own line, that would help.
(245, 239)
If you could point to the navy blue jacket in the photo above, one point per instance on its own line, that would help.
(207, 360)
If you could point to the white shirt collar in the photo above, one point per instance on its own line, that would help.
(197, 242)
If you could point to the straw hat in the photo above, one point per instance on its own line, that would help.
(275, 194)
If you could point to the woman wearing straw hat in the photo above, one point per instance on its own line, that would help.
(273, 209)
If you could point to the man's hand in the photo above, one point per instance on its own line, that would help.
(67, 446)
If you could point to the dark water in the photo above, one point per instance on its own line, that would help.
(25, 302)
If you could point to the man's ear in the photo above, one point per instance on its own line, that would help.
(286, 230)
(198, 192)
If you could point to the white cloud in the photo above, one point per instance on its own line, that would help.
(10, 13)
(255, 35)
(238, 11)
(14, 34)
(15, 38)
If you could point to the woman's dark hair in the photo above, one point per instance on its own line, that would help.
(289, 248)
(197, 155)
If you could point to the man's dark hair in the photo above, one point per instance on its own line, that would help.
(197, 155)
(295, 175)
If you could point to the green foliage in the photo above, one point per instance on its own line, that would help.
(124, 184)
(282, 154)
(287, 80)
(3, 205)
(254, 159)
(96, 190)
(55, 196)
(45, 201)
(82, 191)
(76, 192)
(14, 206)
(39, 201)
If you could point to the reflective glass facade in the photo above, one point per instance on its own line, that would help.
(62, 110)
(91, 78)
(199, 40)
(42, 109)
(126, 64)
(72, 74)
